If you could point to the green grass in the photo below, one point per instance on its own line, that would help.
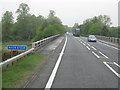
(0, 78)
(15, 76)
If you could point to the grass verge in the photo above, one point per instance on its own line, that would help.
(15, 76)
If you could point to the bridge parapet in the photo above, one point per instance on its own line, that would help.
(35, 45)
(109, 39)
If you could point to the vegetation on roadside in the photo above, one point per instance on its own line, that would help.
(98, 25)
(15, 76)
(0, 46)
(29, 27)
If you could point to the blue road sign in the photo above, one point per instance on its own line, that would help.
(11, 47)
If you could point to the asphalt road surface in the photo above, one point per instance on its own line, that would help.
(81, 64)
(87, 65)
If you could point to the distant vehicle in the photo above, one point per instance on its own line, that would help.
(92, 38)
(76, 32)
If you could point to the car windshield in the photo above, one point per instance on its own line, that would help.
(91, 36)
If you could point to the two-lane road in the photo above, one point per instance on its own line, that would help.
(82, 65)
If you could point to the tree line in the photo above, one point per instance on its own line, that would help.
(29, 27)
(98, 25)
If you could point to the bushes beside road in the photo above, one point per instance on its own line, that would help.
(99, 25)
(29, 27)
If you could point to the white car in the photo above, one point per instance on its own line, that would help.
(92, 38)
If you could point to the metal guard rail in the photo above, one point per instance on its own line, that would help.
(35, 46)
(109, 39)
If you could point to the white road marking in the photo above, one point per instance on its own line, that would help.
(84, 44)
(87, 47)
(103, 54)
(93, 48)
(51, 78)
(95, 54)
(117, 74)
(88, 44)
(108, 45)
(116, 64)
(80, 41)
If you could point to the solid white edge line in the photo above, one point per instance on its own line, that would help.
(94, 48)
(103, 54)
(112, 69)
(116, 64)
(95, 54)
(108, 45)
(87, 47)
(51, 78)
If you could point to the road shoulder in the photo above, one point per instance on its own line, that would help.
(41, 77)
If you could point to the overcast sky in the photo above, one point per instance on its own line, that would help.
(69, 11)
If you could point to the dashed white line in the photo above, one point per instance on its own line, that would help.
(87, 47)
(88, 44)
(51, 78)
(84, 44)
(116, 64)
(95, 54)
(93, 48)
(81, 42)
(103, 54)
(112, 69)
